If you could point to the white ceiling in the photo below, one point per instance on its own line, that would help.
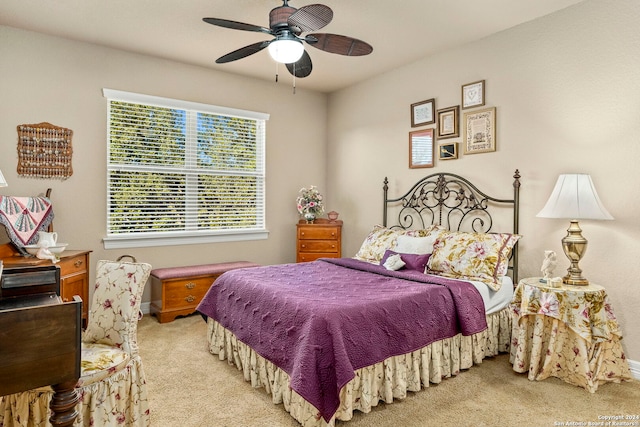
(400, 32)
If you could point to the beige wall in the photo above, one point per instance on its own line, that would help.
(567, 95)
(47, 79)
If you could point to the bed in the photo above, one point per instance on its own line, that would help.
(425, 298)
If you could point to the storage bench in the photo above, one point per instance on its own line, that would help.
(177, 291)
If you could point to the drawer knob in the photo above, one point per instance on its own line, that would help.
(333, 234)
(78, 263)
(190, 298)
(302, 233)
(304, 246)
(190, 285)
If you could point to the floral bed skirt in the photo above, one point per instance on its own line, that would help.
(384, 381)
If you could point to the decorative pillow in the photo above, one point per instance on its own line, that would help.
(381, 238)
(386, 256)
(393, 262)
(473, 256)
(426, 232)
(416, 245)
(416, 262)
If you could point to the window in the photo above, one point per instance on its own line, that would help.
(181, 172)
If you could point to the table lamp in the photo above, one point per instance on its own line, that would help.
(3, 182)
(574, 197)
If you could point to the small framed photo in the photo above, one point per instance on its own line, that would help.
(448, 151)
(448, 122)
(473, 94)
(480, 131)
(422, 113)
(421, 149)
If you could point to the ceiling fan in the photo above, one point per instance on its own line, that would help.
(286, 25)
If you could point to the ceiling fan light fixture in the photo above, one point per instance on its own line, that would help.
(286, 50)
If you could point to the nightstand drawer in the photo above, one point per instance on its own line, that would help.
(312, 256)
(320, 233)
(318, 246)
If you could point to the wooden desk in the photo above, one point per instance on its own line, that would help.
(74, 272)
(39, 346)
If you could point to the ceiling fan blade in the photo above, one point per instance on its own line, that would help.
(310, 18)
(243, 52)
(342, 45)
(236, 25)
(302, 68)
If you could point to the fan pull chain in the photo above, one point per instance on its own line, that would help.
(276, 72)
(294, 78)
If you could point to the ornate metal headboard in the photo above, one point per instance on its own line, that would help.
(453, 202)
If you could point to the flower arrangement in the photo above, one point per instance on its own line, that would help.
(310, 202)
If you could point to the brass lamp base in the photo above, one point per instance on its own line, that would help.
(574, 246)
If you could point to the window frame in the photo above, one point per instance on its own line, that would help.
(166, 238)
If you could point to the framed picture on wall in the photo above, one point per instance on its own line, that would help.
(448, 151)
(421, 149)
(473, 94)
(448, 122)
(422, 113)
(480, 131)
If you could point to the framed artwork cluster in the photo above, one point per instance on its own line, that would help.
(478, 127)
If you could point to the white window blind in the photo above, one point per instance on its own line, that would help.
(181, 172)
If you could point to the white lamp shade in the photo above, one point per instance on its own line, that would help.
(3, 182)
(574, 197)
(286, 51)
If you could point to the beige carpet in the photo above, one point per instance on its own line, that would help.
(190, 387)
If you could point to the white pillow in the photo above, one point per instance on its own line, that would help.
(394, 262)
(416, 245)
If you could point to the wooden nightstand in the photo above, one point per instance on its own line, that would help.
(321, 239)
(568, 332)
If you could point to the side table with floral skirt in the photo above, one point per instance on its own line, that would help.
(569, 332)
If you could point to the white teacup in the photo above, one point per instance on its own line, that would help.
(48, 239)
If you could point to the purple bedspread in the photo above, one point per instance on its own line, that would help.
(320, 321)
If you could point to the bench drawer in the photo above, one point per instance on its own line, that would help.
(186, 292)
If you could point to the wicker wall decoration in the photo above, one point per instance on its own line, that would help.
(44, 151)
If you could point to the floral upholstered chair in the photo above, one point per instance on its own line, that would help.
(112, 386)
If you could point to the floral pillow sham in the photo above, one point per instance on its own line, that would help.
(473, 256)
(381, 238)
